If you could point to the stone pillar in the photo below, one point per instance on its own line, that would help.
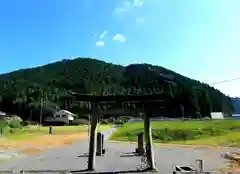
(140, 147)
(93, 140)
(99, 144)
(148, 139)
(200, 165)
(103, 150)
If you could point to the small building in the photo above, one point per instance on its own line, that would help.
(2, 114)
(217, 115)
(60, 117)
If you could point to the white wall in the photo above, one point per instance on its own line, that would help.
(217, 115)
(63, 116)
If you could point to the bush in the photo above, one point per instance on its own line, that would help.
(25, 123)
(14, 123)
(166, 135)
(119, 121)
(3, 123)
(105, 121)
(80, 122)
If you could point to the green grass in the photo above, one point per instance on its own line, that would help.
(219, 132)
(33, 131)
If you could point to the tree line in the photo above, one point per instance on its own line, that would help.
(22, 91)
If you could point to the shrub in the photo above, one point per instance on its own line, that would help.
(119, 121)
(79, 122)
(166, 135)
(25, 123)
(105, 121)
(14, 123)
(3, 123)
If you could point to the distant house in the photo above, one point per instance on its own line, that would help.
(2, 113)
(60, 117)
(217, 115)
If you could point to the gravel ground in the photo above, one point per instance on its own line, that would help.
(115, 159)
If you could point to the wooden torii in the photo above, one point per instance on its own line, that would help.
(143, 102)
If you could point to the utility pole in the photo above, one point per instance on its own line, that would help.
(182, 110)
(40, 121)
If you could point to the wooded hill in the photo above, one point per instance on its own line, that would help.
(21, 91)
(236, 104)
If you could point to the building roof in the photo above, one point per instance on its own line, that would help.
(2, 113)
(66, 112)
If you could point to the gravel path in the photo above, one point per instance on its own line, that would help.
(73, 158)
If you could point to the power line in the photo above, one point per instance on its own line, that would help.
(224, 81)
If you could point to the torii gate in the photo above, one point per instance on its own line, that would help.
(145, 102)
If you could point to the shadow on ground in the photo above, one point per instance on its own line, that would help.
(130, 154)
(107, 172)
(85, 171)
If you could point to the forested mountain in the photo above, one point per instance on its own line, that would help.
(21, 91)
(236, 104)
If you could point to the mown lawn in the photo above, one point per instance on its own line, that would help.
(32, 131)
(219, 132)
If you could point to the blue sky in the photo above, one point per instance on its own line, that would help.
(197, 38)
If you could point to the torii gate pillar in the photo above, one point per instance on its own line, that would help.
(148, 140)
(93, 137)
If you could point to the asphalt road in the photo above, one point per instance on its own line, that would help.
(115, 159)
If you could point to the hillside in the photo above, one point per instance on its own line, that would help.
(20, 89)
(236, 104)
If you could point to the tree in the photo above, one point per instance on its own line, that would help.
(52, 82)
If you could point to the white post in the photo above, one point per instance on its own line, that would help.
(182, 109)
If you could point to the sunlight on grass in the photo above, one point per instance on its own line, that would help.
(32, 131)
(32, 140)
(229, 139)
(219, 132)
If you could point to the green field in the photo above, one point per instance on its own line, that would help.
(33, 130)
(221, 132)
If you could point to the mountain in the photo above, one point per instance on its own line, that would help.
(236, 104)
(52, 82)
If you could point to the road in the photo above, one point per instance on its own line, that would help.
(73, 158)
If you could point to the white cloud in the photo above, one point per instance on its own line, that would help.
(103, 34)
(137, 3)
(127, 6)
(100, 43)
(120, 38)
(139, 20)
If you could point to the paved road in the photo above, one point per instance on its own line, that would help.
(72, 157)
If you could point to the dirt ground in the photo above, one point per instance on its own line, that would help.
(235, 158)
(42, 142)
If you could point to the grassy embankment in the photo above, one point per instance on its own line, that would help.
(212, 133)
(33, 140)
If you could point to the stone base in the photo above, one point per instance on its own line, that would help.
(152, 170)
(100, 154)
(138, 151)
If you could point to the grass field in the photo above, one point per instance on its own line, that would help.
(33, 140)
(32, 131)
(221, 132)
